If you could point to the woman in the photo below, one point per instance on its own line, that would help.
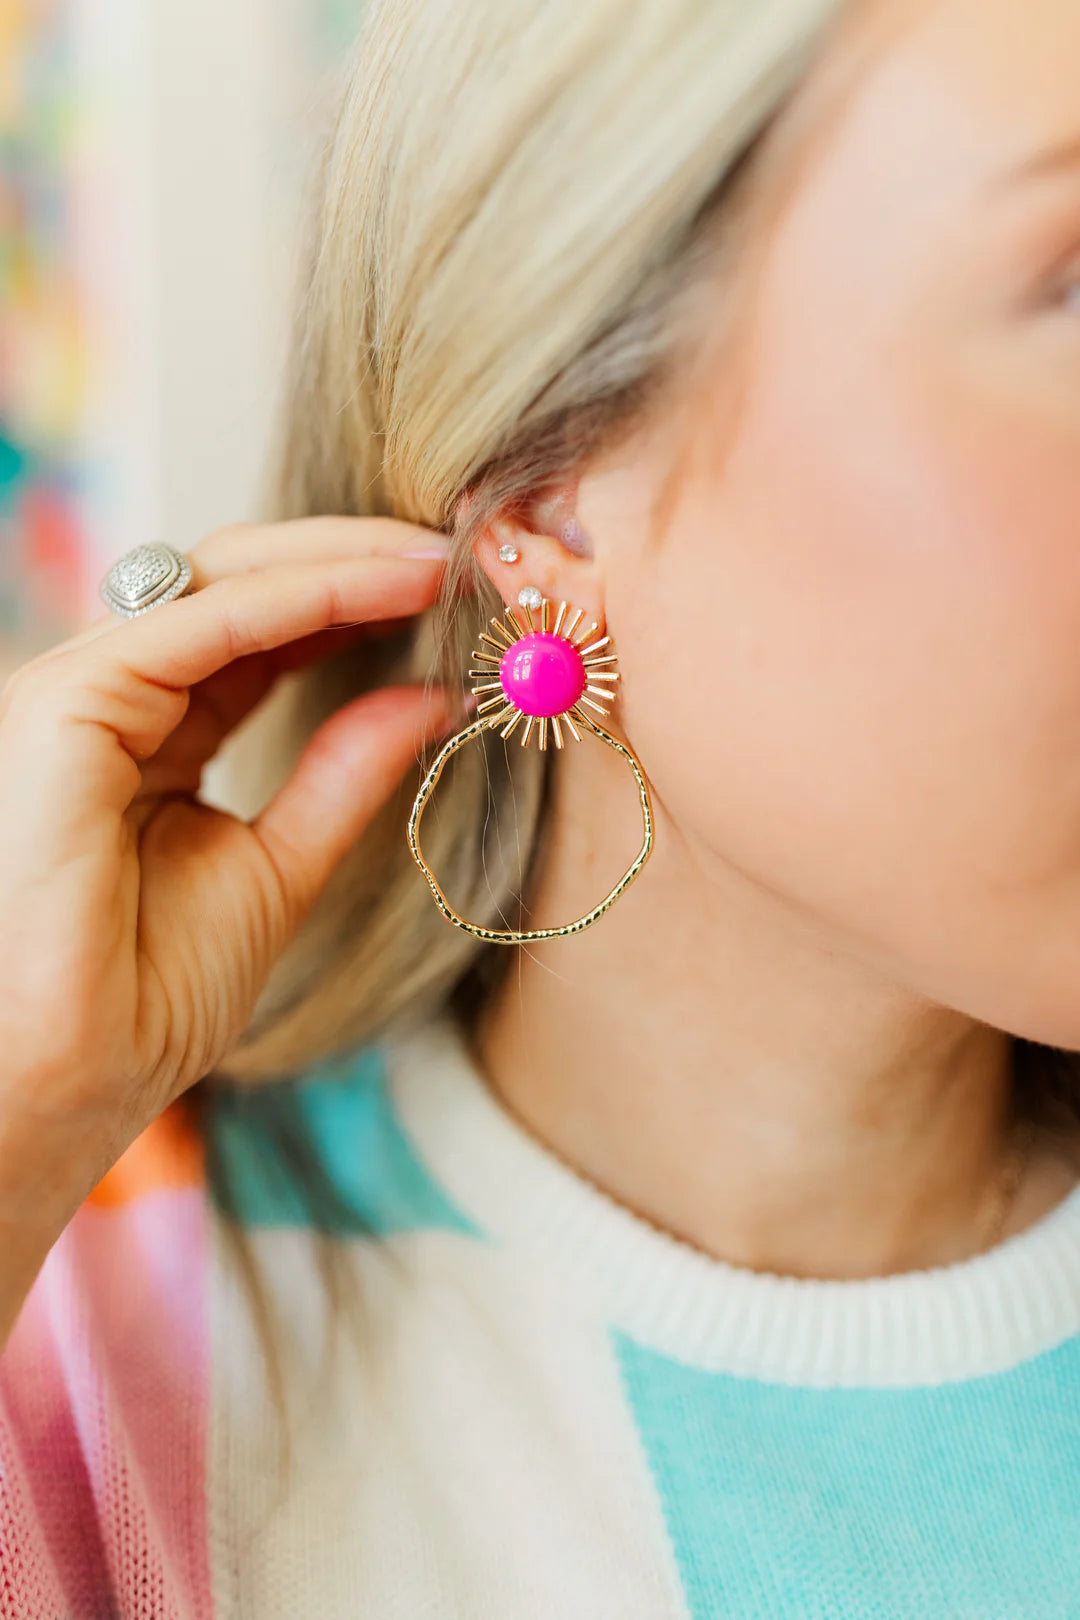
(721, 1257)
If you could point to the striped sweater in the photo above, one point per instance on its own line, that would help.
(535, 1406)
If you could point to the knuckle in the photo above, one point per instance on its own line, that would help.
(227, 533)
(26, 684)
(222, 541)
(281, 897)
(239, 637)
(334, 609)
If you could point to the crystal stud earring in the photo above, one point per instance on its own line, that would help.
(546, 677)
(508, 553)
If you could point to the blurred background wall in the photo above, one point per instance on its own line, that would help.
(152, 156)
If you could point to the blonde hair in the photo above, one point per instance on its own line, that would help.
(510, 202)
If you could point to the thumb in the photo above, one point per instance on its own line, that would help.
(349, 768)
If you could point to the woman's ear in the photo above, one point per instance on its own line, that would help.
(554, 512)
(542, 544)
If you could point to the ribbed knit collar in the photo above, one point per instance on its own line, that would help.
(962, 1320)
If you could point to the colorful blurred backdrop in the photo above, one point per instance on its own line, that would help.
(152, 154)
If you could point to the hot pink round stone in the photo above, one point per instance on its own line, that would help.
(543, 674)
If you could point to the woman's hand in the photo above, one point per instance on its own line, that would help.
(138, 925)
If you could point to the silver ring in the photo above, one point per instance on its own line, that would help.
(145, 577)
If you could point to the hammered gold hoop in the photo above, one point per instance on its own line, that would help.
(540, 668)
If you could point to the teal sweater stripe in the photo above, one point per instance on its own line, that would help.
(324, 1151)
(954, 1502)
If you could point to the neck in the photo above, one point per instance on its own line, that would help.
(733, 1073)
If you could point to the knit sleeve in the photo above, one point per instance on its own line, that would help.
(104, 1399)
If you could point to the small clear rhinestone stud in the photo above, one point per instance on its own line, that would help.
(508, 553)
(530, 597)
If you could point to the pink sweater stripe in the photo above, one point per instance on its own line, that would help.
(104, 1416)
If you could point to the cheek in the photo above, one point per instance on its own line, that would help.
(856, 676)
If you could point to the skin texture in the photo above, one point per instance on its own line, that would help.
(842, 571)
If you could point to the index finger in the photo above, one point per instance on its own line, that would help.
(238, 548)
(189, 639)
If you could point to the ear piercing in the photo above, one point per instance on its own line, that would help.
(545, 677)
(508, 552)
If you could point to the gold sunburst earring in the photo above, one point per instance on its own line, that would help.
(546, 678)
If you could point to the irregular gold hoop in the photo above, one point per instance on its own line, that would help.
(527, 661)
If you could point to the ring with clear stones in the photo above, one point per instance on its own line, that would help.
(145, 577)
